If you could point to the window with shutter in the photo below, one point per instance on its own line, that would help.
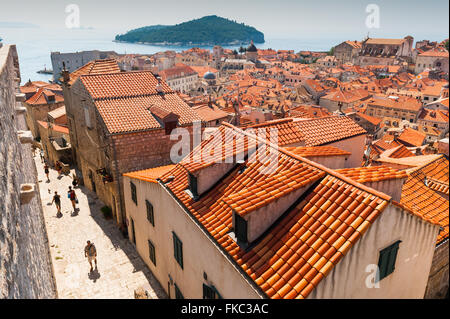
(151, 251)
(150, 216)
(178, 294)
(133, 192)
(210, 292)
(178, 249)
(386, 261)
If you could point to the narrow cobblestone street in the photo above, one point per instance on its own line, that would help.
(120, 269)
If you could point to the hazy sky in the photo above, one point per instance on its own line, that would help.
(275, 18)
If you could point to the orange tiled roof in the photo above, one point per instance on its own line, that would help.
(438, 186)
(210, 113)
(305, 151)
(400, 152)
(325, 130)
(95, 67)
(383, 144)
(412, 137)
(42, 97)
(400, 103)
(201, 70)
(435, 53)
(54, 127)
(178, 70)
(384, 41)
(372, 173)
(419, 193)
(150, 175)
(434, 115)
(124, 101)
(307, 242)
(371, 119)
(288, 131)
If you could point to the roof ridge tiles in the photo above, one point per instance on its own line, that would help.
(417, 168)
(105, 98)
(316, 165)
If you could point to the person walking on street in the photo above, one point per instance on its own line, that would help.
(57, 200)
(91, 253)
(73, 197)
(46, 171)
(41, 153)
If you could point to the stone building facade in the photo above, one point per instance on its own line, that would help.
(437, 287)
(385, 51)
(76, 60)
(102, 153)
(347, 51)
(38, 107)
(25, 265)
(436, 59)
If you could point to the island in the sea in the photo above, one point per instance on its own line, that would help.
(206, 31)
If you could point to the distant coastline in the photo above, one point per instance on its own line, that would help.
(184, 44)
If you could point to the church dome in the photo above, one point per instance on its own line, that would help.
(209, 76)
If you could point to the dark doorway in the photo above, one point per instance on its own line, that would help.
(91, 178)
(133, 234)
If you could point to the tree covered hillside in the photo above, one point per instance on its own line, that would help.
(206, 30)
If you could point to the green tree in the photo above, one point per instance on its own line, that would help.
(331, 52)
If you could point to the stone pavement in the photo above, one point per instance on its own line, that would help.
(120, 268)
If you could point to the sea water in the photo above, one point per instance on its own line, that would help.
(35, 44)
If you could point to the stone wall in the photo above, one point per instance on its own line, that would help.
(437, 286)
(25, 264)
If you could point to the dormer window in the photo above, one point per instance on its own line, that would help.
(240, 228)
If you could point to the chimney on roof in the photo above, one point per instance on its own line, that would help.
(159, 87)
(65, 74)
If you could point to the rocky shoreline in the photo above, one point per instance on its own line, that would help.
(233, 43)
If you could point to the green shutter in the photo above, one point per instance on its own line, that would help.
(152, 253)
(178, 249)
(386, 262)
(150, 215)
(178, 294)
(133, 192)
(392, 259)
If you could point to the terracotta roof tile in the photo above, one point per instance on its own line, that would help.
(410, 137)
(372, 173)
(150, 175)
(398, 152)
(293, 256)
(124, 101)
(287, 130)
(43, 97)
(54, 127)
(95, 67)
(325, 130)
(306, 151)
(420, 193)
